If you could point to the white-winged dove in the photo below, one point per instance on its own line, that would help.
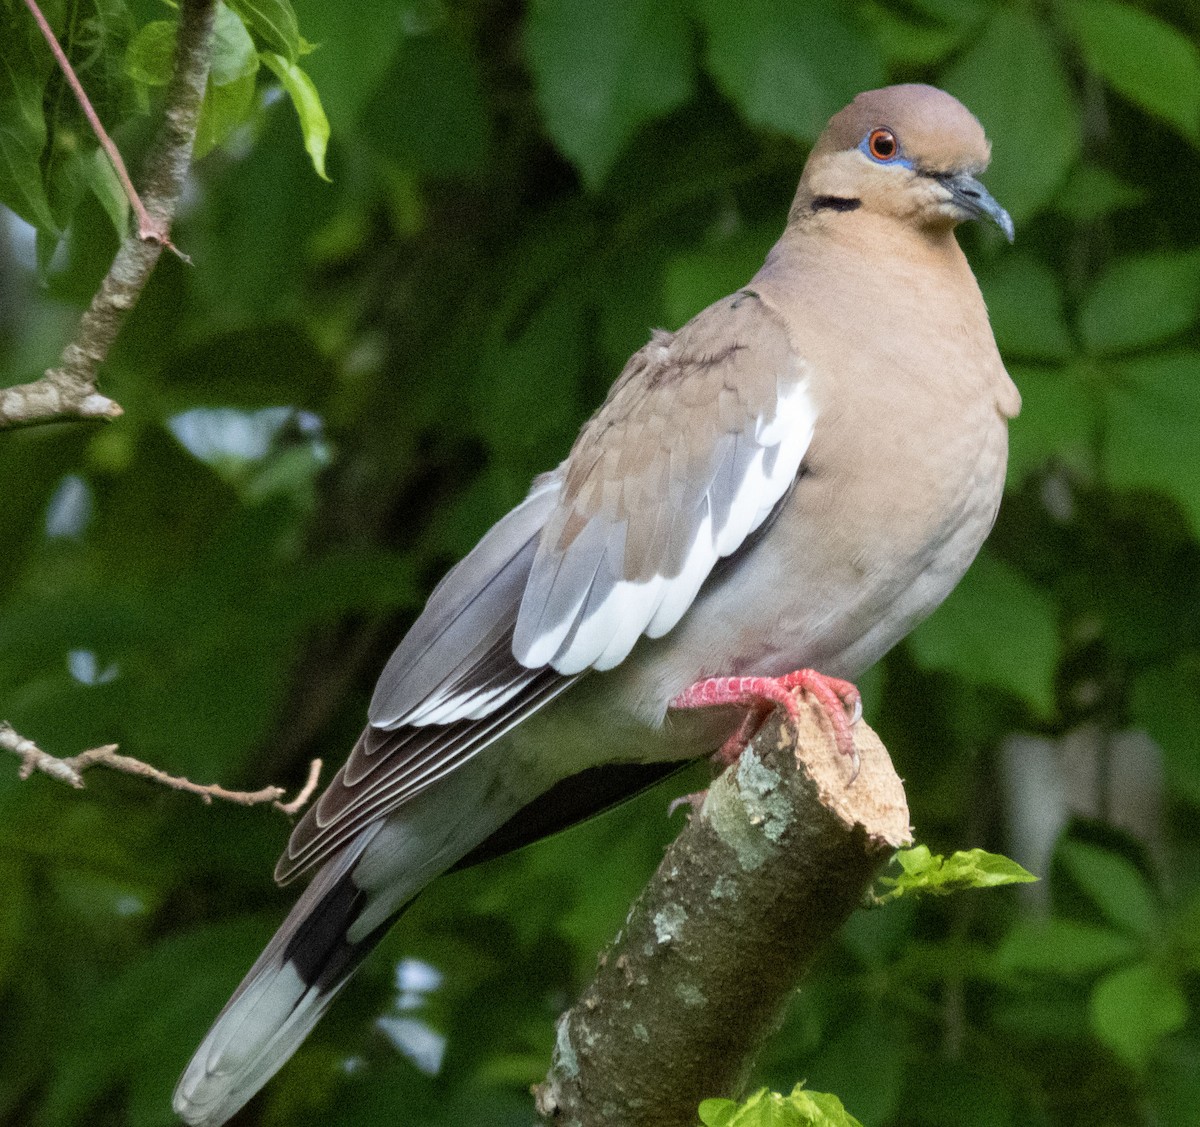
(790, 482)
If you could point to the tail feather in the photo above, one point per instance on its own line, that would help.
(282, 997)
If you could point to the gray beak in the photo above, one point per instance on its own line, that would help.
(977, 201)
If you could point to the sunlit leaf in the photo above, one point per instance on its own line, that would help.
(225, 108)
(314, 125)
(801, 1108)
(234, 57)
(274, 22)
(357, 42)
(924, 872)
(103, 180)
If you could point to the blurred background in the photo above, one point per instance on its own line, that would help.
(354, 378)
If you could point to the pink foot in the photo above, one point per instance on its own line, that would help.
(840, 700)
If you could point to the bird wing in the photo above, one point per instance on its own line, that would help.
(695, 446)
(697, 443)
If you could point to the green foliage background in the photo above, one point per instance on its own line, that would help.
(356, 377)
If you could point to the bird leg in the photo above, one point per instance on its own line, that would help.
(839, 699)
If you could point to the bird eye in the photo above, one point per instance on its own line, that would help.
(882, 144)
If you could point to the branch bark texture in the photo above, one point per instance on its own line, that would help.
(782, 851)
(69, 391)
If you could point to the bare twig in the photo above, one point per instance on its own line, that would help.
(70, 770)
(69, 391)
(148, 227)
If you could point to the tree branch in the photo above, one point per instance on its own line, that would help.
(780, 854)
(70, 771)
(69, 391)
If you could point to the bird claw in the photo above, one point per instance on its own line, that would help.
(840, 700)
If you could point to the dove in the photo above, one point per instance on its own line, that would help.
(769, 499)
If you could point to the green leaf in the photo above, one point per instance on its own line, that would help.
(997, 629)
(234, 57)
(225, 108)
(521, 404)
(788, 66)
(151, 53)
(1025, 305)
(1013, 79)
(102, 179)
(358, 41)
(23, 72)
(429, 114)
(1153, 421)
(699, 277)
(1065, 948)
(1141, 301)
(932, 874)
(1164, 703)
(1150, 62)
(604, 70)
(314, 125)
(1092, 193)
(1060, 418)
(908, 43)
(1133, 1009)
(229, 96)
(274, 23)
(769, 1109)
(1114, 885)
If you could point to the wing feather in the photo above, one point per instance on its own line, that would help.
(700, 439)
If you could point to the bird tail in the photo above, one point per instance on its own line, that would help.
(282, 997)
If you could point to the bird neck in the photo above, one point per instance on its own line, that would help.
(882, 243)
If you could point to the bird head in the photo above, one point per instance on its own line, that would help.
(911, 152)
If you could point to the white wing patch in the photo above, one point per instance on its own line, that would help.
(601, 622)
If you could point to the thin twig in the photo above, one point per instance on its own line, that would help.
(70, 770)
(305, 793)
(69, 391)
(148, 227)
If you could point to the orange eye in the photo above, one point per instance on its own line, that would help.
(882, 144)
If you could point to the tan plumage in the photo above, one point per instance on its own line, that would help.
(793, 479)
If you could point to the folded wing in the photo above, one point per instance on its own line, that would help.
(695, 446)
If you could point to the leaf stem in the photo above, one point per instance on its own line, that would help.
(149, 228)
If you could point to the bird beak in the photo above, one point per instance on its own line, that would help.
(977, 201)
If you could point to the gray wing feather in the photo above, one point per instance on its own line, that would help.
(472, 606)
(451, 688)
